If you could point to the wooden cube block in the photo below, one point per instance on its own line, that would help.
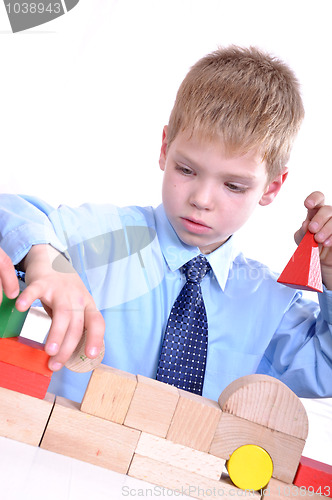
(152, 407)
(315, 476)
(109, 393)
(266, 401)
(284, 450)
(194, 422)
(180, 456)
(23, 417)
(24, 366)
(88, 438)
(184, 482)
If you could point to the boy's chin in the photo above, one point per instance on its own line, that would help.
(205, 247)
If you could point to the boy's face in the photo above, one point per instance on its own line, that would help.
(207, 195)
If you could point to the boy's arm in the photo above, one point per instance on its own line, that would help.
(8, 279)
(66, 300)
(26, 226)
(319, 222)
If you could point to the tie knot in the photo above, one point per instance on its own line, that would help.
(196, 269)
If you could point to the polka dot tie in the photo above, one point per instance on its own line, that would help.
(183, 354)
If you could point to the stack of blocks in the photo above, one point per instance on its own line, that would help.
(23, 362)
(155, 432)
(152, 431)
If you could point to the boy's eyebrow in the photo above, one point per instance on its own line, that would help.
(244, 178)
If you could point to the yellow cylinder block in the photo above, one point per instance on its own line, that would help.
(250, 467)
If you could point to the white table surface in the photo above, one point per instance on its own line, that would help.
(31, 473)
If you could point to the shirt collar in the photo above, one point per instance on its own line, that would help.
(177, 253)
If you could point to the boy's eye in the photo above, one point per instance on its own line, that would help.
(235, 187)
(184, 170)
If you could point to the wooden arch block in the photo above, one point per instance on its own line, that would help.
(303, 270)
(264, 400)
(261, 410)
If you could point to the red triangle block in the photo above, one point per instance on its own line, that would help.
(303, 270)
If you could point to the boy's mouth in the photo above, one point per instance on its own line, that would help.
(194, 225)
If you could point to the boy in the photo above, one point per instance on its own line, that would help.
(224, 151)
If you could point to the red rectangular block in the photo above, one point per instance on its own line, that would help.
(25, 353)
(24, 366)
(23, 381)
(314, 476)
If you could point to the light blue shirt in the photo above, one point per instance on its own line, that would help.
(130, 259)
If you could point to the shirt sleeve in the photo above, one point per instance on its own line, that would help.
(300, 352)
(24, 221)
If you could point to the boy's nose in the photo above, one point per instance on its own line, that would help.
(202, 198)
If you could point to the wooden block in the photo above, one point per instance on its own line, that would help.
(303, 271)
(194, 422)
(24, 366)
(285, 450)
(152, 407)
(250, 467)
(23, 417)
(88, 438)
(109, 393)
(180, 456)
(266, 401)
(184, 482)
(79, 362)
(278, 490)
(23, 381)
(315, 476)
(25, 353)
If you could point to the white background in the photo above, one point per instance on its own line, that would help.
(84, 99)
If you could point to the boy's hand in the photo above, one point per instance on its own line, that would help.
(8, 279)
(52, 279)
(319, 222)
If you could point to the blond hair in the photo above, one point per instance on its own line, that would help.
(244, 97)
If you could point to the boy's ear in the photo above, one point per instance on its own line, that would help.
(273, 188)
(162, 157)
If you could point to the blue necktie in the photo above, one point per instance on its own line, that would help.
(183, 354)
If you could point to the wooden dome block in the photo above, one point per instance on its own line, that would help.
(303, 270)
(266, 401)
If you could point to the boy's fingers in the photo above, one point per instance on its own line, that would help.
(95, 329)
(28, 296)
(8, 278)
(313, 202)
(320, 224)
(314, 199)
(66, 331)
(61, 318)
(324, 233)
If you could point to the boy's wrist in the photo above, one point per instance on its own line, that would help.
(44, 258)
